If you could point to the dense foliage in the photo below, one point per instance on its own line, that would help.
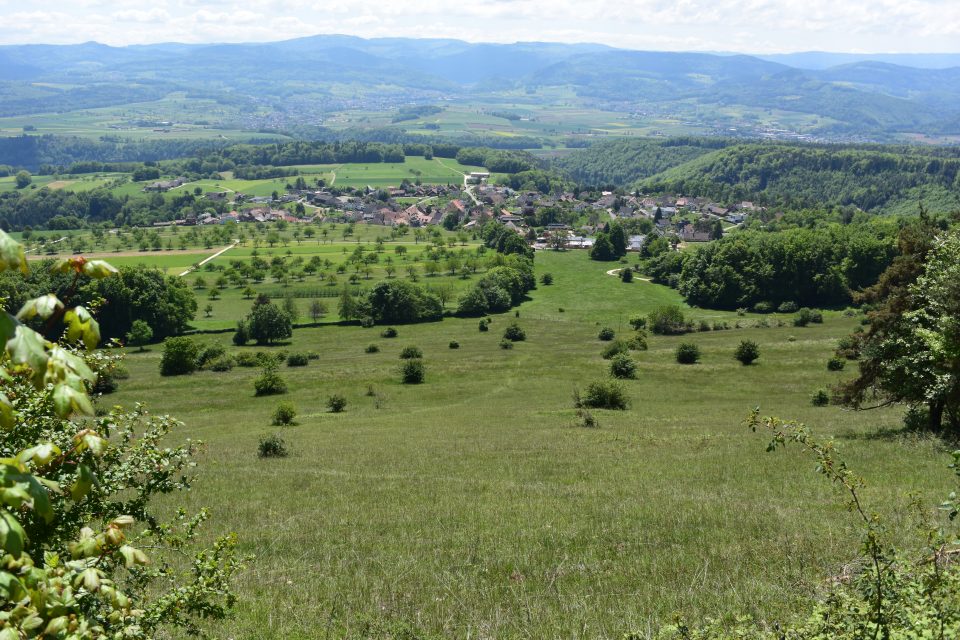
(397, 301)
(75, 494)
(813, 267)
(911, 351)
(871, 178)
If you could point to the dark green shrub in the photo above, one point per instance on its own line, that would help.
(787, 307)
(454, 344)
(242, 335)
(763, 307)
(483, 326)
(586, 419)
(297, 360)
(638, 342)
(506, 344)
(221, 364)
(704, 326)
(805, 316)
(688, 353)
(367, 322)
(179, 356)
(271, 446)
(836, 364)
(389, 332)
(246, 359)
(411, 352)
(638, 322)
(412, 372)
(208, 353)
(667, 320)
(546, 279)
(626, 275)
(615, 348)
(848, 347)
(284, 414)
(604, 394)
(313, 355)
(606, 334)
(623, 366)
(514, 333)
(820, 398)
(336, 403)
(816, 317)
(269, 383)
(747, 351)
(372, 348)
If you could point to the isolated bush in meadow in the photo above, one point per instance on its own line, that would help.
(179, 356)
(506, 344)
(615, 348)
(747, 352)
(389, 332)
(372, 348)
(603, 394)
(688, 353)
(336, 403)
(221, 364)
(836, 364)
(820, 398)
(411, 351)
(271, 446)
(623, 366)
(606, 334)
(514, 333)
(412, 372)
(284, 414)
(297, 360)
(667, 320)
(454, 344)
(270, 383)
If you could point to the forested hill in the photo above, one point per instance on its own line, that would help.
(624, 162)
(881, 179)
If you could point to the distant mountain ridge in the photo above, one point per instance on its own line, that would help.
(857, 95)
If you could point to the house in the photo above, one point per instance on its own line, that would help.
(477, 177)
(165, 185)
(217, 196)
(635, 243)
(689, 234)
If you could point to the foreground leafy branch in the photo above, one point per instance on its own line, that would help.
(83, 554)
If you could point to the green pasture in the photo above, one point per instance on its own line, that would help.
(474, 506)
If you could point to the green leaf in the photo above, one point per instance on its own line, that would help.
(12, 255)
(98, 269)
(28, 347)
(12, 536)
(44, 306)
(133, 556)
(82, 327)
(28, 482)
(11, 590)
(8, 326)
(68, 401)
(40, 454)
(7, 417)
(83, 483)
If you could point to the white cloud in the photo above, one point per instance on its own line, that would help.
(746, 25)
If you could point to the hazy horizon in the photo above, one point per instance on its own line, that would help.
(751, 27)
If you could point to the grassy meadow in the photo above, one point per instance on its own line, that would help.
(474, 506)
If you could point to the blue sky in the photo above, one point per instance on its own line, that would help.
(750, 26)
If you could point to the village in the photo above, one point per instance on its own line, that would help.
(567, 220)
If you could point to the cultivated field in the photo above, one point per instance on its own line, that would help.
(473, 506)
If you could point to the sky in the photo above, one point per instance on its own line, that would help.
(748, 26)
